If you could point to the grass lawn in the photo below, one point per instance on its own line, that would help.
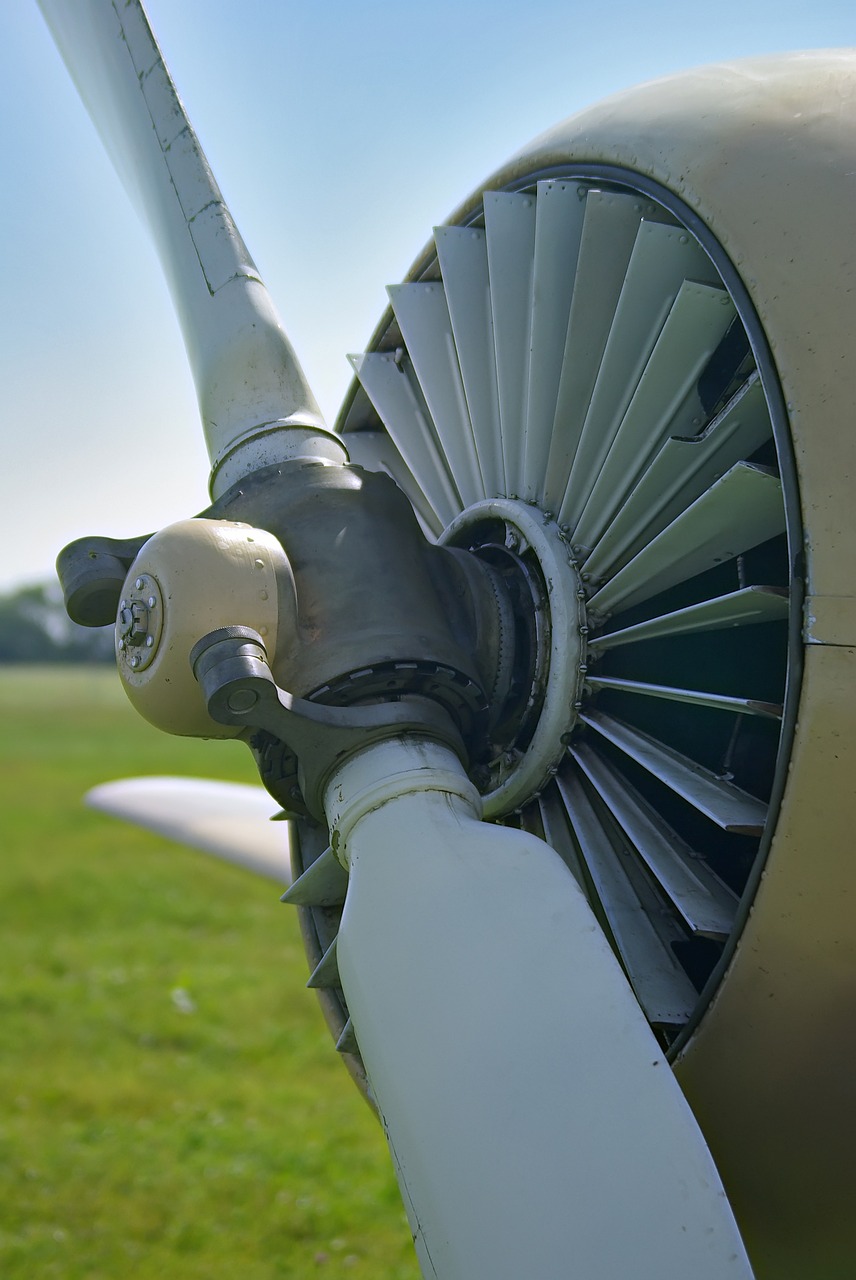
(212, 1133)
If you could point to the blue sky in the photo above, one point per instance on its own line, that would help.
(340, 134)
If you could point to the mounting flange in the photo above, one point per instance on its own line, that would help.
(533, 555)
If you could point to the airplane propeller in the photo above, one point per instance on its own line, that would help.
(506, 706)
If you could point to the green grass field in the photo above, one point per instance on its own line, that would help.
(142, 1135)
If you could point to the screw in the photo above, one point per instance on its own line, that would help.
(152, 601)
(584, 631)
(582, 668)
(121, 644)
(139, 584)
(135, 661)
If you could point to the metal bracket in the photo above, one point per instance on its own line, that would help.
(232, 669)
(92, 572)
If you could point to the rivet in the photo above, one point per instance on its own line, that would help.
(263, 595)
(149, 641)
(152, 601)
(124, 604)
(581, 595)
(121, 644)
(135, 661)
(263, 631)
(139, 584)
(260, 564)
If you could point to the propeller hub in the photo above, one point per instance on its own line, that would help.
(191, 577)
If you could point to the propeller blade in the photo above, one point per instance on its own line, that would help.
(227, 819)
(510, 1061)
(254, 399)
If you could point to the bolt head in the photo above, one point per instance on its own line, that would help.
(242, 700)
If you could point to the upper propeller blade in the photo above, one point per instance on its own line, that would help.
(254, 399)
(536, 1128)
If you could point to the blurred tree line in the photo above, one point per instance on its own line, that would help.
(34, 627)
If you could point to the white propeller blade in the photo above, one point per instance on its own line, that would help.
(227, 819)
(255, 403)
(536, 1128)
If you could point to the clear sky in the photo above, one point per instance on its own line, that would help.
(340, 132)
